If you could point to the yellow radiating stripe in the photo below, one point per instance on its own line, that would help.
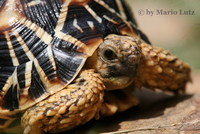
(40, 32)
(29, 54)
(34, 3)
(76, 42)
(28, 75)
(41, 73)
(93, 13)
(11, 81)
(91, 24)
(51, 57)
(121, 9)
(102, 3)
(43, 35)
(75, 24)
(32, 58)
(7, 85)
(109, 19)
(62, 17)
(11, 50)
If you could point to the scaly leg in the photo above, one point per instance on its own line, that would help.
(161, 69)
(76, 104)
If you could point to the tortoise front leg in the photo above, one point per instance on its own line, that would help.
(118, 101)
(161, 69)
(76, 104)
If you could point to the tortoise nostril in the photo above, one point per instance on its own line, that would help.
(110, 54)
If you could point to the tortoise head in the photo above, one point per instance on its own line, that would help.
(117, 59)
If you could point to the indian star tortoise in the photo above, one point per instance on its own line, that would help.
(60, 59)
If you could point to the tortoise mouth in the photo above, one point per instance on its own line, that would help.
(120, 82)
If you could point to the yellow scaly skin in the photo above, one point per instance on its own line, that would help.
(76, 104)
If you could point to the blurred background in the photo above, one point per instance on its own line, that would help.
(180, 34)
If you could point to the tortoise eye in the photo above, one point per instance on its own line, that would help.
(109, 55)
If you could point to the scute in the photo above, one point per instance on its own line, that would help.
(48, 43)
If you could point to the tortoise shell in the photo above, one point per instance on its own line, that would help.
(45, 43)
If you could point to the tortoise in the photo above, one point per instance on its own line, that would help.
(63, 61)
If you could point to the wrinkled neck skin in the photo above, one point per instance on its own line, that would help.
(117, 60)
